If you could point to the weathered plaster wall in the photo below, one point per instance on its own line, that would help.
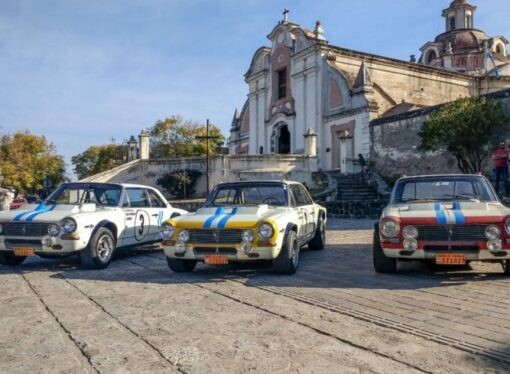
(395, 141)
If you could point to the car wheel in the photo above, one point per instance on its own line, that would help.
(382, 264)
(9, 259)
(506, 267)
(99, 252)
(287, 261)
(319, 240)
(181, 266)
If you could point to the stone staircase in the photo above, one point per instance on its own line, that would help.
(356, 197)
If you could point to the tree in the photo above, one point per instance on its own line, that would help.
(27, 160)
(180, 183)
(98, 158)
(467, 128)
(174, 137)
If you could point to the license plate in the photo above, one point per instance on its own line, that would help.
(24, 251)
(450, 259)
(216, 260)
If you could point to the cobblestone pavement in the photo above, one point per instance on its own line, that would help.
(335, 315)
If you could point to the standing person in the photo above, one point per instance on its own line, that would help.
(362, 162)
(500, 159)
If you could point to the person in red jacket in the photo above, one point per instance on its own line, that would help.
(500, 159)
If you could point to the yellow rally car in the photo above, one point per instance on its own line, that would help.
(247, 221)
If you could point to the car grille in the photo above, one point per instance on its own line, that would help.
(215, 236)
(452, 233)
(12, 243)
(25, 228)
(203, 251)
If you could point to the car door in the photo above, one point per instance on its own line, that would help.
(136, 206)
(310, 210)
(158, 211)
(299, 203)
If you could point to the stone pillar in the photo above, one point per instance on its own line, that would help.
(144, 145)
(310, 143)
(132, 154)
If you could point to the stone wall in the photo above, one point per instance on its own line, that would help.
(223, 168)
(395, 140)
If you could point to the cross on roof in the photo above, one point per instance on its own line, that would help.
(285, 14)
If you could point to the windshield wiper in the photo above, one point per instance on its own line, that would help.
(463, 196)
(417, 200)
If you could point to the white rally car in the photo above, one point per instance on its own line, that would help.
(90, 218)
(447, 219)
(247, 221)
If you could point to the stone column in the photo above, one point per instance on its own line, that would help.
(144, 145)
(310, 143)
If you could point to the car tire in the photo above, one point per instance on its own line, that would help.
(181, 266)
(319, 240)
(506, 267)
(287, 261)
(100, 250)
(382, 264)
(10, 259)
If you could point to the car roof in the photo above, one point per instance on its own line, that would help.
(268, 181)
(132, 185)
(438, 176)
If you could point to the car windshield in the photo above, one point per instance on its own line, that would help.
(443, 188)
(78, 193)
(248, 194)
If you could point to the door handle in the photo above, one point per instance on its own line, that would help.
(155, 215)
(129, 218)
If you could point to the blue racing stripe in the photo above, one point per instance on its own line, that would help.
(459, 216)
(38, 208)
(33, 215)
(160, 217)
(440, 214)
(210, 220)
(224, 220)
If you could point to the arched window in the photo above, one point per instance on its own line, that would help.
(431, 55)
(499, 49)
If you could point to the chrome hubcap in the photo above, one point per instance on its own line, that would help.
(104, 248)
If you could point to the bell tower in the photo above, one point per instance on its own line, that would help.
(459, 15)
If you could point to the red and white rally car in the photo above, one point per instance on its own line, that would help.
(449, 219)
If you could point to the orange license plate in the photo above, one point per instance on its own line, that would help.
(450, 259)
(216, 260)
(24, 251)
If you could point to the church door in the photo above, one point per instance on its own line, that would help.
(345, 154)
(283, 140)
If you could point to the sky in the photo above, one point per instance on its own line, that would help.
(86, 72)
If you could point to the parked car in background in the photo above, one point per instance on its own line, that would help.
(247, 221)
(18, 202)
(447, 219)
(91, 219)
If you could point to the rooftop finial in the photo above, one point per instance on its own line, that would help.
(285, 15)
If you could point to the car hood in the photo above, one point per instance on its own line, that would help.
(45, 212)
(458, 212)
(231, 217)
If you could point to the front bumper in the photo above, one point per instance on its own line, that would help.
(234, 252)
(42, 244)
(470, 254)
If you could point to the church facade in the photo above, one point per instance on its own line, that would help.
(302, 88)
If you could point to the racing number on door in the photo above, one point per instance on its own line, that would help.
(142, 224)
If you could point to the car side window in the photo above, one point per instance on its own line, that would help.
(297, 195)
(138, 198)
(306, 196)
(155, 199)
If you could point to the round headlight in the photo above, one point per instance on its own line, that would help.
(166, 231)
(53, 229)
(266, 231)
(247, 236)
(390, 228)
(68, 225)
(410, 232)
(494, 245)
(507, 226)
(410, 244)
(492, 232)
(184, 236)
(1, 228)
